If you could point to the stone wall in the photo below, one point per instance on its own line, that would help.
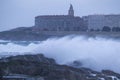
(60, 23)
(99, 21)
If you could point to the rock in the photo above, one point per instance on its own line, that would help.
(40, 66)
(76, 64)
(32, 58)
(110, 73)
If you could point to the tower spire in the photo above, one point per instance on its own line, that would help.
(71, 11)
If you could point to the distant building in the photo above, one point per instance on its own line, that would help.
(97, 22)
(73, 23)
(71, 11)
(60, 22)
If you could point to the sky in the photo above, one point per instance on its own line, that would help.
(21, 13)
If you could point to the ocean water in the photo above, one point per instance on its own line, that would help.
(95, 53)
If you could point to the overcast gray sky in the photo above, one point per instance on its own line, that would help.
(21, 13)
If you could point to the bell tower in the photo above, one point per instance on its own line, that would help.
(71, 11)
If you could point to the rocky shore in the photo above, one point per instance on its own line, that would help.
(29, 34)
(38, 67)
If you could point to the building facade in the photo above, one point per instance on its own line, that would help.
(96, 22)
(60, 22)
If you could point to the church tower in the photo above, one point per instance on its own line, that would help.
(71, 11)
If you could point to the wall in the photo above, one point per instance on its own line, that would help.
(60, 23)
(99, 21)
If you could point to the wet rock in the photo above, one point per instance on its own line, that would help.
(47, 68)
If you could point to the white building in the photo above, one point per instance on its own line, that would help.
(99, 21)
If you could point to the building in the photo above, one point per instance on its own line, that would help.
(60, 22)
(74, 23)
(97, 22)
(71, 11)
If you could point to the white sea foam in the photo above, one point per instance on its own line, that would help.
(94, 53)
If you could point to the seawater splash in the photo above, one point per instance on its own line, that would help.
(94, 53)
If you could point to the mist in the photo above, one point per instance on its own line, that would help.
(93, 53)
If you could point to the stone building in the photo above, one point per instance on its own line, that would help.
(99, 21)
(60, 22)
(71, 11)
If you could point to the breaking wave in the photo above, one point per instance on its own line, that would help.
(94, 53)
